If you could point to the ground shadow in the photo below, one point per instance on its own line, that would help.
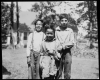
(97, 74)
(25, 46)
(5, 71)
(97, 68)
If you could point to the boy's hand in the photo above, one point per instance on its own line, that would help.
(59, 48)
(58, 54)
(50, 51)
(41, 54)
(56, 57)
(68, 46)
(64, 46)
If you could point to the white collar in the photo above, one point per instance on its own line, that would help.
(58, 29)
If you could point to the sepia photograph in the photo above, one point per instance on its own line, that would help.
(49, 40)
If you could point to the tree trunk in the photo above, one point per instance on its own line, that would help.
(8, 40)
(22, 39)
(8, 36)
(75, 35)
(17, 15)
(12, 17)
(91, 41)
(90, 9)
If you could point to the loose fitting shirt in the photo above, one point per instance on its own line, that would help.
(34, 43)
(47, 61)
(65, 37)
(51, 46)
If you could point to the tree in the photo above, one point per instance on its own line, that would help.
(5, 16)
(43, 8)
(88, 12)
(12, 21)
(5, 20)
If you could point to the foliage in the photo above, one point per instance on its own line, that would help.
(5, 16)
(52, 21)
(44, 8)
(89, 12)
(85, 11)
(23, 28)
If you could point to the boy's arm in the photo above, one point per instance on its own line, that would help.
(71, 41)
(29, 48)
(58, 43)
(29, 44)
(42, 49)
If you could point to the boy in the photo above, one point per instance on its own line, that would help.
(49, 55)
(34, 43)
(65, 36)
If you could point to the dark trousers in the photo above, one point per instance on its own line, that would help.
(33, 68)
(65, 65)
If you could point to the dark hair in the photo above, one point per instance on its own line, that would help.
(64, 16)
(69, 18)
(47, 20)
(37, 21)
(50, 28)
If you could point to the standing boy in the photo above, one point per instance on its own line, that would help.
(34, 44)
(65, 36)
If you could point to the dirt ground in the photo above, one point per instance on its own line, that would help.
(15, 61)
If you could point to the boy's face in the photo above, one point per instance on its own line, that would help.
(64, 22)
(38, 26)
(49, 34)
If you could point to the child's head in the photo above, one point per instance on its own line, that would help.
(50, 34)
(64, 20)
(38, 25)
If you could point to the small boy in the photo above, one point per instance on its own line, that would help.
(49, 55)
(34, 45)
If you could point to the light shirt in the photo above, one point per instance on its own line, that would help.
(65, 37)
(48, 61)
(51, 46)
(34, 43)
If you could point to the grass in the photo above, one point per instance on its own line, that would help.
(83, 50)
(84, 64)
